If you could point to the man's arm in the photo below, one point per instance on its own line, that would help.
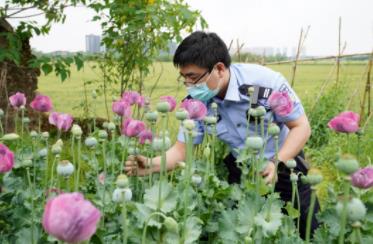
(300, 131)
(173, 155)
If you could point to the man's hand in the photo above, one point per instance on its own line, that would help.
(136, 165)
(269, 173)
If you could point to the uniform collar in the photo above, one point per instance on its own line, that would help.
(232, 93)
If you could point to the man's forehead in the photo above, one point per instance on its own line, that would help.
(190, 69)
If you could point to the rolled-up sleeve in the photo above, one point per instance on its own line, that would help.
(298, 110)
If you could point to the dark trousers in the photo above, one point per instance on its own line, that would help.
(283, 186)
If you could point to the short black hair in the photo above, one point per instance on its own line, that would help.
(202, 49)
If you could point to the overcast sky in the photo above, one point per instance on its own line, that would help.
(257, 23)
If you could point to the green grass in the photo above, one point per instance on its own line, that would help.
(68, 95)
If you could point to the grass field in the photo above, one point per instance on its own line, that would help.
(309, 79)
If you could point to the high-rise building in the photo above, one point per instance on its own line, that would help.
(92, 44)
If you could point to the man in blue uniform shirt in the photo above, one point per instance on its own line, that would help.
(206, 71)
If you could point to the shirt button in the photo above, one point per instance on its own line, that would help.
(239, 125)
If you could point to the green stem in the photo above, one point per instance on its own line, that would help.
(52, 171)
(124, 222)
(1, 128)
(143, 239)
(78, 167)
(16, 122)
(344, 212)
(32, 204)
(113, 152)
(104, 185)
(39, 122)
(298, 204)
(310, 214)
(22, 116)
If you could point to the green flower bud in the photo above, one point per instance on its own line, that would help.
(133, 151)
(10, 137)
(261, 111)
(273, 129)
(196, 179)
(163, 107)
(214, 105)
(45, 135)
(189, 124)
(26, 120)
(291, 164)
(151, 116)
(293, 177)
(210, 120)
(171, 225)
(33, 134)
(90, 142)
(27, 163)
(59, 142)
(250, 90)
(76, 130)
(102, 134)
(254, 142)
(105, 125)
(111, 126)
(65, 168)
(122, 195)
(122, 181)
(181, 114)
(1, 113)
(313, 177)
(43, 152)
(157, 144)
(253, 112)
(347, 164)
(56, 149)
(356, 210)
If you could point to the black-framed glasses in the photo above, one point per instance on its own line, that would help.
(183, 79)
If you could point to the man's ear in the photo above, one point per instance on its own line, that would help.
(221, 68)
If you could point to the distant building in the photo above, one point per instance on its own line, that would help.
(93, 44)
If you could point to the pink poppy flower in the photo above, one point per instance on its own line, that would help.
(280, 103)
(170, 100)
(70, 218)
(132, 128)
(62, 121)
(17, 100)
(41, 103)
(6, 159)
(122, 108)
(145, 135)
(133, 97)
(195, 108)
(346, 122)
(363, 178)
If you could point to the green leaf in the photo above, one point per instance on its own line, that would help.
(143, 214)
(292, 212)
(193, 229)
(227, 223)
(331, 219)
(47, 68)
(168, 197)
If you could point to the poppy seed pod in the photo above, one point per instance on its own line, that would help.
(189, 124)
(163, 107)
(347, 164)
(273, 129)
(151, 116)
(181, 114)
(254, 142)
(122, 181)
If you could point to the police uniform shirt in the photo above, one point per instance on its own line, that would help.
(231, 127)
